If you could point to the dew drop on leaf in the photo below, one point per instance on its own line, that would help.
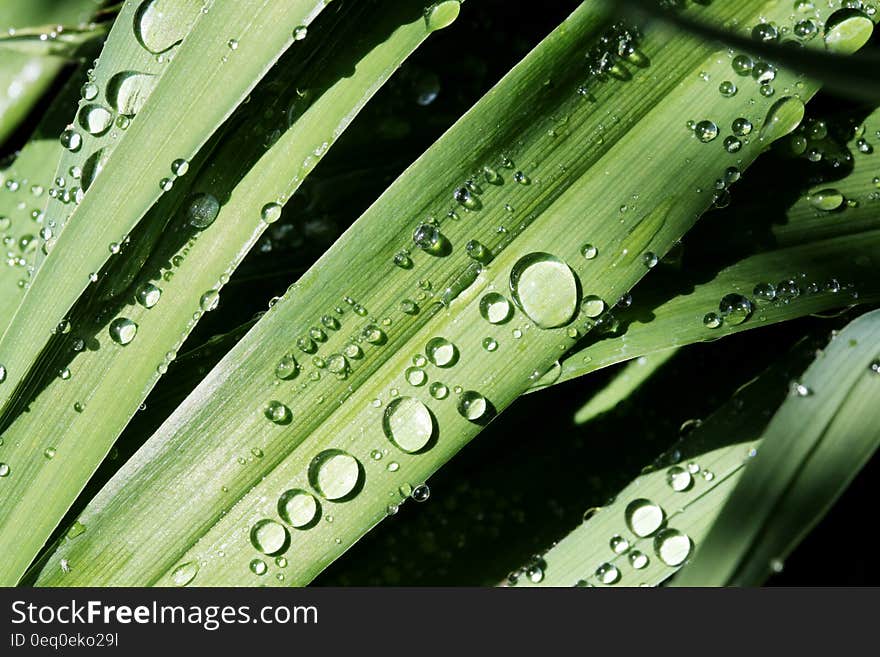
(408, 424)
(298, 508)
(545, 289)
(335, 474)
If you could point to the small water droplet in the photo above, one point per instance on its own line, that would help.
(618, 544)
(643, 517)
(258, 567)
(441, 352)
(335, 475)
(735, 308)
(270, 213)
(545, 289)
(672, 547)
(185, 573)
(287, 367)
(438, 390)
(122, 330)
(607, 574)
(409, 424)
(298, 508)
(679, 479)
(705, 131)
(473, 406)
(202, 209)
(638, 559)
(277, 412)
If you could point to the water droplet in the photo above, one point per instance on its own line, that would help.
(209, 301)
(335, 475)
(589, 251)
(638, 560)
(765, 32)
(277, 412)
(421, 493)
(741, 127)
(650, 259)
(742, 65)
(727, 89)
(679, 479)
(764, 292)
(731, 145)
(179, 167)
(416, 376)
(4, 470)
(287, 367)
(494, 308)
(705, 131)
(473, 406)
(122, 330)
(95, 119)
(232, 44)
(71, 140)
(782, 118)
(298, 508)
(672, 547)
(826, 200)
(800, 390)
(159, 25)
(711, 320)
(49, 452)
(258, 567)
(875, 366)
(847, 30)
(735, 308)
(468, 200)
(185, 573)
(593, 306)
(409, 424)
(607, 573)
(3, 373)
(441, 14)
(202, 209)
(148, 295)
(545, 289)
(643, 517)
(127, 91)
(438, 390)
(441, 352)
(270, 213)
(618, 544)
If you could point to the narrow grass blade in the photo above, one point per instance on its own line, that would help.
(633, 374)
(668, 313)
(399, 286)
(815, 445)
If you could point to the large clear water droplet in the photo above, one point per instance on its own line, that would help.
(201, 210)
(643, 517)
(495, 308)
(122, 330)
(672, 547)
(127, 91)
(847, 30)
(441, 352)
(335, 474)
(735, 308)
(545, 289)
(148, 295)
(159, 25)
(269, 537)
(472, 406)
(298, 508)
(409, 424)
(95, 119)
(782, 118)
